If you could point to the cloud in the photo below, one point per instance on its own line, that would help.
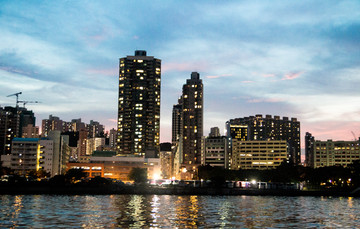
(268, 75)
(292, 76)
(270, 100)
(106, 72)
(184, 66)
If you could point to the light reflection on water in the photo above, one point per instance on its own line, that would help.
(154, 211)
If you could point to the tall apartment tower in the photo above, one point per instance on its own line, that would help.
(309, 150)
(191, 131)
(9, 128)
(176, 123)
(139, 104)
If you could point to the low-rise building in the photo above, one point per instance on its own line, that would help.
(334, 153)
(258, 154)
(31, 154)
(118, 167)
(215, 152)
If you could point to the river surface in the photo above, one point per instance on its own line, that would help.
(171, 211)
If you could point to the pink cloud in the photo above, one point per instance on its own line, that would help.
(107, 72)
(291, 76)
(335, 130)
(218, 76)
(247, 81)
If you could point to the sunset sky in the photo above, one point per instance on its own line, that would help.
(289, 58)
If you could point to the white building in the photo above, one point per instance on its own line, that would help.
(31, 154)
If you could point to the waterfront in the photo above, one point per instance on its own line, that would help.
(170, 211)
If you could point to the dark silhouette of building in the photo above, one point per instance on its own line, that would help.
(139, 105)
(52, 123)
(309, 150)
(176, 123)
(273, 128)
(12, 121)
(95, 129)
(73, 138)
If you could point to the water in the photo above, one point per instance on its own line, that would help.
(165, 211)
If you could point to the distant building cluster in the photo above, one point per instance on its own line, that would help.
(254, 142)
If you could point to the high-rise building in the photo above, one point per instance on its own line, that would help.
(309, 150)
(236, 131)
(112, 138)
(52, 123)
(191, 131)
(139, 105)
(95, 129)
(30, 131)
(273, 128)
(176, 123)
(12, 121)
(9, 128)
(214, 132)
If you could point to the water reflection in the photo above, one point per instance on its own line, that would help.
(154, 211)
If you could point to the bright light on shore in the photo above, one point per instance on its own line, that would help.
(156, 176)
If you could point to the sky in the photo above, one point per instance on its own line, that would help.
(296, 59)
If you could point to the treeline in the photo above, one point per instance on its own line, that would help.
(327, 177)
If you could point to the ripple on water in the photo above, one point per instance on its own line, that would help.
(134, 211)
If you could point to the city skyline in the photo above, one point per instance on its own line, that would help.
(281, 58)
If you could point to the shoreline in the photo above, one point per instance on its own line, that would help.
(146, 190)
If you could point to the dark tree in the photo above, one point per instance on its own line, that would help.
(138, 175)
(75, 174)
(38, 173)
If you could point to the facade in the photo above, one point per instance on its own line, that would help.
(214, 132)
(176, 123)
(76, 125)
(118, 167)
(274, 128)
(258, 154)
(191, 131)
(52, 123)
(112, 138)
(30, 131)
(166, 160)
(93, 144)
(334, 153)
(26, 117)
(95, 129)
(31, 154)
(82, 142)
(9, 128)
(139, 104)
(237, 131)
(309, 150)
(215, 152)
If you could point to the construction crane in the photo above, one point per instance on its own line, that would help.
(354, 135)
(26, 102)
(17, 97)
